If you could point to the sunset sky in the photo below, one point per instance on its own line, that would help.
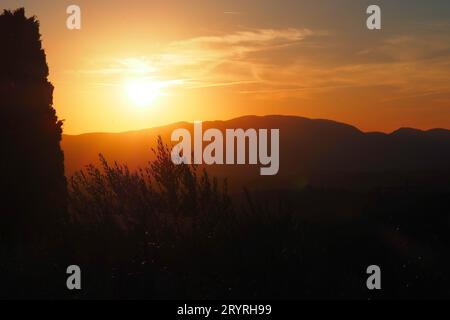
(206, 60)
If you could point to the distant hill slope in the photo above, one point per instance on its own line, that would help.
(311, 151)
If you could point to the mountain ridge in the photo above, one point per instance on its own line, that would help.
(247, 117)
(309, 148)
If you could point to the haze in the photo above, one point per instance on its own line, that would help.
(208, 60)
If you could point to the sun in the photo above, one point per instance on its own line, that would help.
(142, 92)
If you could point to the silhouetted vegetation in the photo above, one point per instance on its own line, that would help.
(171, 232)
(32, 184)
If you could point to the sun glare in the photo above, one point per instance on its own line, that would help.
(143, 93)
(142, 87)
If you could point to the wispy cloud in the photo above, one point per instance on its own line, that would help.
(232, 12)
(126, 66)
(224, 60)
(279, 63)
(253, 37)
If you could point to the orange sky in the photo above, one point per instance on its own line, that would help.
(222, 59)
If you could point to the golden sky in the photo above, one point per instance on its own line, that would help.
(206, 60)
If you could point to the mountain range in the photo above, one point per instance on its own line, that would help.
(312, 152)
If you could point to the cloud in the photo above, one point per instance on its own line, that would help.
(281, 63)
(261, 36)
(223, 60)
(206, 61)
(126, 66)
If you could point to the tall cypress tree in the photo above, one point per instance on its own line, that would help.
(32, 182)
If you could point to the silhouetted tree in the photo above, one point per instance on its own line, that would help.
(32, 183)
